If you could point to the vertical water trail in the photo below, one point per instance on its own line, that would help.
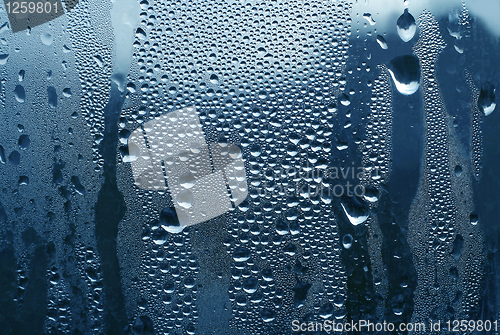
(447, 248)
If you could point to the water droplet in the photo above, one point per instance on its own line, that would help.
(268, 315)
(241, 254)
(381, 41)
(345, 100)
(47, 38)
(474, 219)
(3, 58)
(214, 79)
(140, 33)
(347, 241)
(2, 155)
(52, 94)
(15, 157)
(486, 100)
(67, 92)
(250, 285)
(19, 93)
(370, 194)
(369, 18)
(356, 210)
(405, 72)
(23, 180)
(24, 142)
(281, 227)
(169, 220)
(406, 26)
(185, 199)
(160, 236)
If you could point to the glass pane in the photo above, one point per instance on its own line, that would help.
(239, 167)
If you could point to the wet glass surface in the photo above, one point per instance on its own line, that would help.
(250, 167)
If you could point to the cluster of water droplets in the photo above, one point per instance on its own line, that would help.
(376, 150)
(45, 160)
(92, 52)
(476, 137)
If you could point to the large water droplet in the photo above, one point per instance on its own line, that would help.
(371, 194)
(214, 79)
(369, 18)
(381, 41)
(241, 254)
(406, 26)
(250, 285)
(187, 180)
(268, 315)
(281, 227)
(141, 34)
(24, 142)
(347, 241)
(486, 101)
(169, 220)
(474, 219)
(3, 58)
(160, 236)
(19, 93)
(405, 71)
(47, 38)
(51, 92)
(185, 199)
(356, 210)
